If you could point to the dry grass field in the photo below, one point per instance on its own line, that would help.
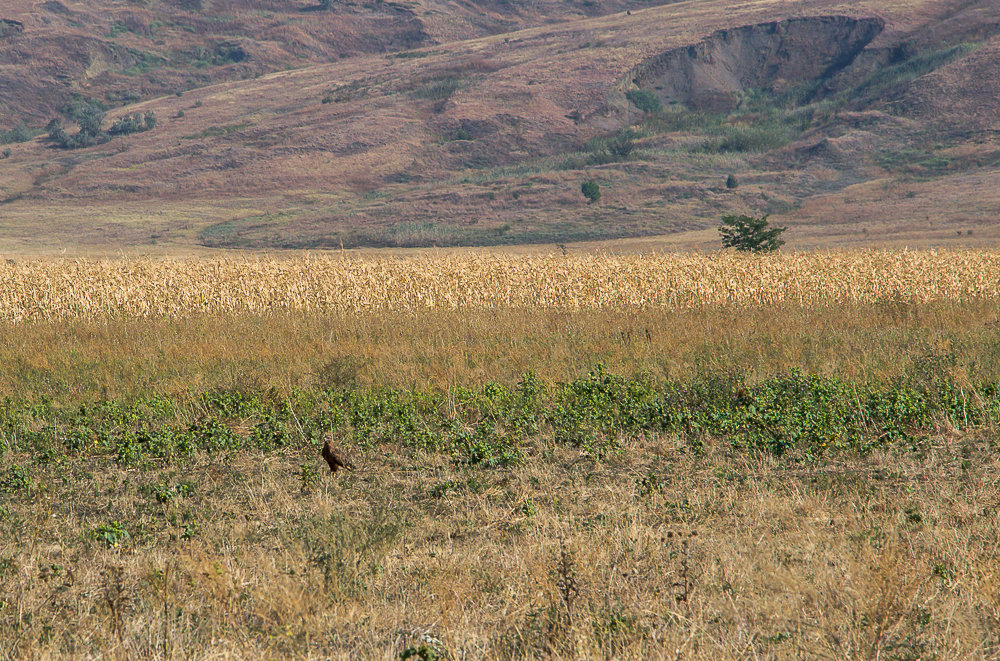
(806, 470)
(653, 553)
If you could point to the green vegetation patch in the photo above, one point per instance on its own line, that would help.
(913, 162)
(440, 87)
(794, 414)
(20, 133)
(413, 54)
(763, 120)
(645, 100)
(217, 131)
(750, 138)
(201, 57)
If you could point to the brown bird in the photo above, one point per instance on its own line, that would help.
(335, 458)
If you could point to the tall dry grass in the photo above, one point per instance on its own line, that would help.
(79, 329)
(467, 281)
(76, 360)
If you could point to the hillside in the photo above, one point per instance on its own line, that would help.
(872, 122)
(121, 52)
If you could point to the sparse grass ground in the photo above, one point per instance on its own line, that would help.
(653, 551)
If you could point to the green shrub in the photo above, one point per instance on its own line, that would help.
(112, 534)
(591, 190)
(618, 146)
(19, 133)
(440, 88)
(750, 234)
(89, 115)
(645, 100)
(14, 478)
(126, 125)
(750, 138)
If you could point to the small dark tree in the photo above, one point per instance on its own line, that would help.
(150, 120)
(731, 182)
(90, 119)
(750, 234)
(591, 191)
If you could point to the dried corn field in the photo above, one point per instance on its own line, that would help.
(54, 289)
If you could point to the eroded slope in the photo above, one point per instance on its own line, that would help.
(775, 56)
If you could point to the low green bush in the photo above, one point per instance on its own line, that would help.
(496, 425)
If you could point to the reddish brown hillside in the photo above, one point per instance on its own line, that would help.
(118, 52)
(840, 119)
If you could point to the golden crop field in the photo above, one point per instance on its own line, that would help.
(144, 287)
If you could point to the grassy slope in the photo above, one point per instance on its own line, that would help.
(121, 52)
(603, 539)
(470, 142)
